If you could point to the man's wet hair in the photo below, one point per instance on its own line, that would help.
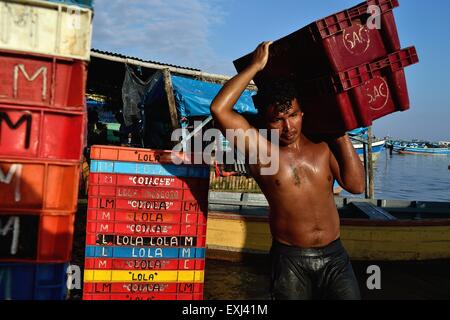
(278, 93)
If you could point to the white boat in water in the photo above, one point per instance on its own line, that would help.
(377, 148)
(422, 149)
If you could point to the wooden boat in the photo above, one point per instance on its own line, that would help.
(424, 151)
(379, 230)
(420, 148)
(377, 148)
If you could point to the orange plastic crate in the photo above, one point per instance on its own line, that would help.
(38, 186)
(136, 155)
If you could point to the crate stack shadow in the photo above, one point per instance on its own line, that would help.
(42, 136)
(348, 68)
(146, 226)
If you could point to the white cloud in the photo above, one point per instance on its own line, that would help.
(169, 31)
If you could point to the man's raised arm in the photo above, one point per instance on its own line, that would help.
(222, 106)
(346, 166)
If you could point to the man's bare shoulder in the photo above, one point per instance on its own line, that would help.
(318, 147)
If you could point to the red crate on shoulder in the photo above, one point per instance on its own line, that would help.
(332, 44)
(358, 96)
(352, 37)
(44, 81)
(38, 186)
(33, 133)
(37, 237)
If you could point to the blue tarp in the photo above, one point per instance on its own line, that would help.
(194, 97)
(358, 132)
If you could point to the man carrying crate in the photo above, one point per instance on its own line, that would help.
(308, 259)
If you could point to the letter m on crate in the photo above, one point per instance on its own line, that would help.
(20, 70)
(24, 120)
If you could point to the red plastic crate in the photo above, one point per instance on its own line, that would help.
(125, 180)
(131, 264)
(96, 239)
(140, 288)
(145, 229)
(49, 82)
(33, 133)
(198, 296)
(160, 194)
(100, 215)
(148, 217)
(329, 45)
(40, 237)
(349, 41)
(146, 212)
(147, 187)
(133, 205)
(356, 97)
(38, 186)
(135, 154)
(144, 264)
(131, 296)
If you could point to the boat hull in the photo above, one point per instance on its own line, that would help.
(229, 236)
(377, 148)
(428, 152)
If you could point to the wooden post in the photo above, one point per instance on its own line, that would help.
(366, 167)
(168, 88)
(371, 167)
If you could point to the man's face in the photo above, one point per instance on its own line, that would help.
(289, 123)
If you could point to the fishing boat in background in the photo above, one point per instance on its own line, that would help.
(377, 148)
(360, 137)
(422, 150)
(419, 147)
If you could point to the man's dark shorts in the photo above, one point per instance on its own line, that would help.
(316, 273)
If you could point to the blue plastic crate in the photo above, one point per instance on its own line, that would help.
(33, 281)
(81, 3)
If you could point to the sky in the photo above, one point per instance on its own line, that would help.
(210, 34)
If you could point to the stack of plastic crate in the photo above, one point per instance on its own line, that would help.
(348, 67)
(146, 226)
(44, 49)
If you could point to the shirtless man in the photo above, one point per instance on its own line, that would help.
(308, 259)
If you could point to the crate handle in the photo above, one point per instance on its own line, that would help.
(354, 77)
(339, 24)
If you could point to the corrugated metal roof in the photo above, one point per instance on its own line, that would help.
(112, 54)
